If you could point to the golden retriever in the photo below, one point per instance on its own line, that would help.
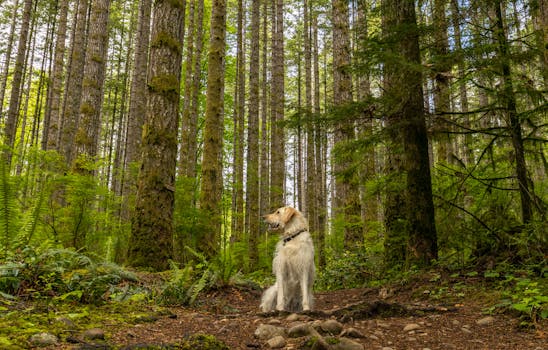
(293, 263)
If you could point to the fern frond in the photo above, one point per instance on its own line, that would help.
(8, 208)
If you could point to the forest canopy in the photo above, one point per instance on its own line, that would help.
(156, 134)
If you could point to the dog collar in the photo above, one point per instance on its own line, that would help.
(288, 238)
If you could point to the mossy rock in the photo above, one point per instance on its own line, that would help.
(194, 342)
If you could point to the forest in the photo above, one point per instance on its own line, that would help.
(143, 141)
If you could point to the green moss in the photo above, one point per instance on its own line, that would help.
(165, 84)
(166, 39)
(203, 342)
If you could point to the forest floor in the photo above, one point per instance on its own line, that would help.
(439, 313)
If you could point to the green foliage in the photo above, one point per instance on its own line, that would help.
(185, 285)
(527, 296)
(63, 275)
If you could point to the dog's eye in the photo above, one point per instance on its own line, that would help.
(277, 211)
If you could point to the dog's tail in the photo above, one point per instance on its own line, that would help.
(269, 299)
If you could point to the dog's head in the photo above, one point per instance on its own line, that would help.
(280, 218)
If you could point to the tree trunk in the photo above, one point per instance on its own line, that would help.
(16, 84)
(238, 220)
(252, 184)
(151, 241)
(5, 71)
(53, 110)
(277, 150)
(73, 88)
(509, 103)
(409, 214)
(347, 205)
(87, 135)
(212, 177)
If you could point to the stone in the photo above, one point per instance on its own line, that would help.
(485, 321)
(332, 327)
(277, 342)
(352, 333)
(43, 339)
(347, 344)
(268, 331)
(301, 330)
(94, 334)
(411, 327)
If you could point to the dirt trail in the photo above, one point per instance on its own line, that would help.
(232, 315)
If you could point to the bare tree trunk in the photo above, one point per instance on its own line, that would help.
(5, 71)
(277, 151)
(16, 84)
(509, 102)
(52, 119)
(264, 195)
(252, 185)
(87, 135)
(151, 241)
(212, 177)
(73, 88)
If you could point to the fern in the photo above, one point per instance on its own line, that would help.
(9, 220)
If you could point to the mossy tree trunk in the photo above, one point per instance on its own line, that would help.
(212, 177)
(409, 211)
(151, 240)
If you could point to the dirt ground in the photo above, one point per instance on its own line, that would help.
(443, 318)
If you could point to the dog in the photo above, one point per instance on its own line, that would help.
(293, 263)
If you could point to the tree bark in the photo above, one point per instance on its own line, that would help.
(10, 128)
(151, 241)
(212, 177)
(409, 214)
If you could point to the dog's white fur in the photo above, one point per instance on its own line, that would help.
(293, 263)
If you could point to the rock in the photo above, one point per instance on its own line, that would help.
(466, 330)
(316, 343)
(43, 339)
(411, 327)
(268, 331)
(485, 321)
(387, 348)
(352, 333)
(347, 344)
(332, 327)
(277, 342)
(301, 330)
(293, 317)
(94, 334)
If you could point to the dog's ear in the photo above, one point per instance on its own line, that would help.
(288, 214)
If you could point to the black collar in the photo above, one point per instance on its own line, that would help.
(290, 237)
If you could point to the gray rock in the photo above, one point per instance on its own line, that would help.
(43, 339)
(94, 334)
(268, 331)
(277, 342)
(485, 321)
(332, 327)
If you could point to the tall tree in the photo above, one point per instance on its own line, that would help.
(509, 103)
(347, 202)
(238, 219)
(210, 197)
(409, 214)
(277, 150)
(52, 120)
(87, 135)
(73, 86)
(137, 98)
(6, 68)
(10, 128)
(151, 241)
(252, 183)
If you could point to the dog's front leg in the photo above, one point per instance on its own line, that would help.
(280, 301)
(305, 293)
